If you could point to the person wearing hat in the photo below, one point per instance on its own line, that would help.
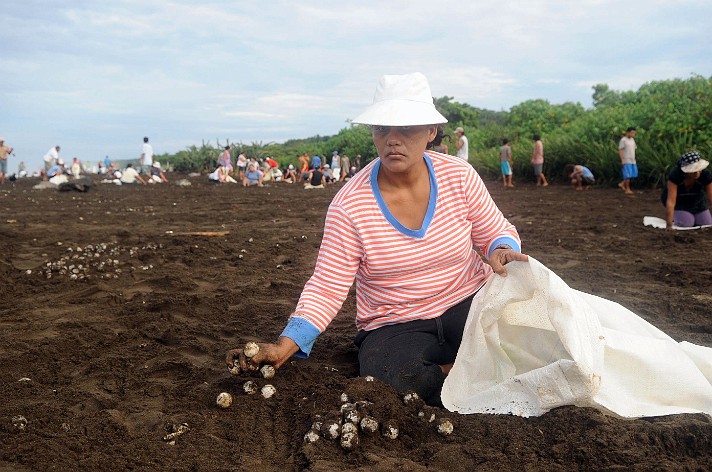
(289, 175)
(688, 194)
(5, 151)
(462, 144)
(408, 228)
(156, 174)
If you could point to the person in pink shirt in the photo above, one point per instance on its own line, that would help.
(408, 229)
(538, 162)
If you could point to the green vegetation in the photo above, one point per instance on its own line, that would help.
(671, 116)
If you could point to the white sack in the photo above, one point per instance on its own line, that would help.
(659, 223)
(532, 343)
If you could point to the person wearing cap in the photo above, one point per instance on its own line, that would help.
(688, 193)
(328, 174)
(408, 228)
(5, 151)
(626, 152)
(462, 145)
(156, 174)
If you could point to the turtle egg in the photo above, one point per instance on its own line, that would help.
(224, 400)
(311, 436)
(445, 427)
(249, 387)
(369, 424)
(267, 371)
(251, 349)
(390, 430)
(268, 390)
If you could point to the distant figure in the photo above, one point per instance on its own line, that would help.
(107, 162)
(76, 168)
(241, 165)
(253, 176)
(626, 152)
(5, 151)
(21, 170)
(335, 164)
(226, 159)
(157, 176)
(316, 162)
(463, 151)
(316, 179)
(55, 170)
(146, 159)
(506, 163)
(131, 176)
(581, 176)
(289, 175)
(51, 158)
(303, 164)
(357, 162)
(328, 174)
(345, 165)
(538, 162)
(688, 194)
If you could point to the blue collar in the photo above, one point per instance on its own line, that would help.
(413, 233)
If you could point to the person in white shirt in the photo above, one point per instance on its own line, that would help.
(146, 160)
(51, 158)
(462, 144)
(130, 176)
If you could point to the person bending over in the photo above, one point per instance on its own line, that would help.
(416, 268)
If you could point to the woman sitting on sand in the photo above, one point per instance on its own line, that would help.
(409, 229)
(688, 193)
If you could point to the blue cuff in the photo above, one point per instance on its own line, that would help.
(508, 240)
(303, 333)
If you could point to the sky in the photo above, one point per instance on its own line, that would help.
(95, 77)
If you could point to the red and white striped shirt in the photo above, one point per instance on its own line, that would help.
(403, 275)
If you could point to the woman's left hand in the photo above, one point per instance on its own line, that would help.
(500, 257)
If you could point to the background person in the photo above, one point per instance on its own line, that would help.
(688, 193)
(462, 145)
(146, 159)
(131, 176)
(581, 176)
(538, 161)
(253, 176)
(5, 151)
(416, 269)
(51, 158)
(506, 163)
(626, 152)
(156, 174)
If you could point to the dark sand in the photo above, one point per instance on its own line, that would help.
(115, 362)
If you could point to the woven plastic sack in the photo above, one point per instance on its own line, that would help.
(532, 343)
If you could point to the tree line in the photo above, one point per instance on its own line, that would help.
(671, 117)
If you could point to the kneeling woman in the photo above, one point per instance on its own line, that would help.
(408, 229)
(688, 194)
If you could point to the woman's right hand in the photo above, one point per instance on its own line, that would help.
(274, 354)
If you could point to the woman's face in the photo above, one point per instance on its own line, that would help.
(692, 175)
(402, 147)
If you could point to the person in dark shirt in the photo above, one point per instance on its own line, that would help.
(316, 179)
(688, 193)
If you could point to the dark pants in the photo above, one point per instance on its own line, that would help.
(408, 355)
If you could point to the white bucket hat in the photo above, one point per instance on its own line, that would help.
(692, 162)
(402, 100)
(156, 164)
